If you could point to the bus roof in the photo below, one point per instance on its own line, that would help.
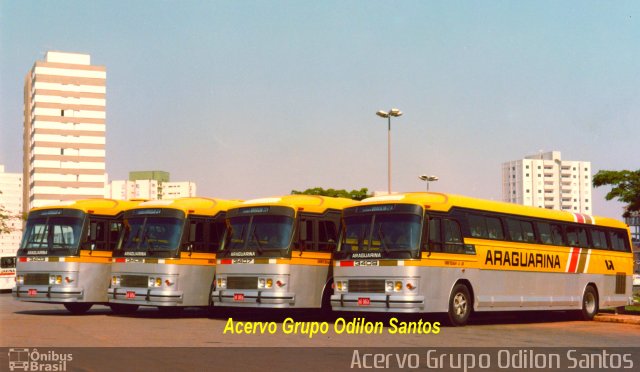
(109, 207)
(192, 205)
(309, 203)
(444, 202)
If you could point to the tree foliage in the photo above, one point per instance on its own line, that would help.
(4, 220)
(353, 194)
(625, 187)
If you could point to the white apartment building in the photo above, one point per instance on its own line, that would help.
(64, 130)
(546, 181)
(11, 202)
(149, 190)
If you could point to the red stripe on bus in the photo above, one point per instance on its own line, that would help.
(120, 260)
(579, 217)
(226, 262)
(575, 254)
(346, 263)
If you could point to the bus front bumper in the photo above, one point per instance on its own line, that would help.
(145, 296)
(376, 302)
(47, 293)
(252, 298)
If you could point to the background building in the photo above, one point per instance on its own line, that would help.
(149, 185)
(546, 181)
(64, 130)
(11, 201)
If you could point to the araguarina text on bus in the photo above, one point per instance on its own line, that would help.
(523, 259)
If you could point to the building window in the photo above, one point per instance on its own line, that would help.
(527, 174)
(527, 191)
(527, 167)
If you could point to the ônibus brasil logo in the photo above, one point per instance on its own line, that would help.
(25, 359)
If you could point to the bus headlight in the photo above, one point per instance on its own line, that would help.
(342, 286)
(19, 279)
(411, 286)
(398, 286)
(269, 283)
(389, 286)
(221, 283)
(55, 279)
(115, 280)
(261, 282)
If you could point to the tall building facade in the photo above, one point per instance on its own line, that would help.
(546, 181)
(11, 203)
(64, 130)
(149, 185)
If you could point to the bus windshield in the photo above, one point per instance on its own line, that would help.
(151, 234)
(56, 236)
(387, 234)
(258, 233)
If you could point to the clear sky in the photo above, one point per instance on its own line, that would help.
(256, 98)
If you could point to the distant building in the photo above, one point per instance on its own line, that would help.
(11, 202)
(546, 181)
(149, 185)
(64, 130)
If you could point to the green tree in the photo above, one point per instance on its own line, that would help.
(353, 194)
(625, 187)
(4, 220)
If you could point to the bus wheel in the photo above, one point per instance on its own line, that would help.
(459, 305)
(122, 309)
(589, 303)
(78, 307)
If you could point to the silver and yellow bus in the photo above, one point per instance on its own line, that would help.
(433, 252)
(65, 253)
(167, 253)
(277, 253)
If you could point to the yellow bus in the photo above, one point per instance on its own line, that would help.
(277, 253)
(433, 252)
(167, 253)
(65, 253)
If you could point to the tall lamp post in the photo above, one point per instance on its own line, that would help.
(388, 114)
(428, 179)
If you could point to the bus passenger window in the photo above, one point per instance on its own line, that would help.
(435, 235)
(197, 239)
(556, 234)
(216, 231)
(577, 236)
(545, 233)
(599, 239)
(452, 237)
(114, 233)
(328, 236)
(619, 241)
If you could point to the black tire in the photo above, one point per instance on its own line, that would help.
(325, 305)
(590, 304)
(78, 308)
(122, 309)
(460, 305)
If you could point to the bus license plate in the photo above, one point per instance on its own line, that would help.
(131, 294)
(238, 296)
(33, 292)
(364, 301)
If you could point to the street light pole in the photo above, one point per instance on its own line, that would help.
(428, 179)
(388, 114)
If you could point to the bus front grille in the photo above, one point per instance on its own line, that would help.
(367, 285)
(242, 282)
(36, 279)
(136, 281)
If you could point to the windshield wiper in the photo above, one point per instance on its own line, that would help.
(383, 244)
(255, 236)
(145, 239)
